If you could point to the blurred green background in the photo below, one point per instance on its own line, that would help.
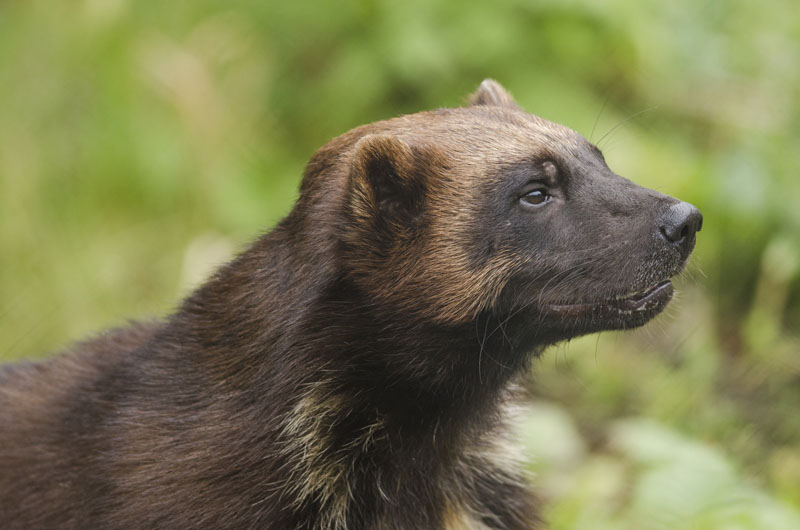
(142, 143)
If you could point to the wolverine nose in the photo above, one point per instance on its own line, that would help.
(679, 224)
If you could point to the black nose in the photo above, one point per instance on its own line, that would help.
(679, 224)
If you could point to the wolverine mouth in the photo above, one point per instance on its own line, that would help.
(637, 305)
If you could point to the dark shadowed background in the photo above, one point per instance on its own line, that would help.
(141, 143)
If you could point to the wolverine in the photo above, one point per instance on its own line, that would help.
(356, 367)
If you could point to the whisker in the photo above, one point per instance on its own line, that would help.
(597, 119)
(626, 120)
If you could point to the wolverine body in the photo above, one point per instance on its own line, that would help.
(355, 367)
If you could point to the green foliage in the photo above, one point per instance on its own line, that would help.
(142, 142)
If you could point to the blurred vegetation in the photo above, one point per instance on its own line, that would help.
(143, 142)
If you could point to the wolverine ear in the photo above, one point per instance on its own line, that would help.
(384, 177)
(492, 93)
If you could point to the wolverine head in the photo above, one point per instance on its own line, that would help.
(452, 213)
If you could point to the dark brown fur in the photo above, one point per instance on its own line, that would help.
(352, 370)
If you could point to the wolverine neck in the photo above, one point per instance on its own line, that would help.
(358, 397)
(276, 306)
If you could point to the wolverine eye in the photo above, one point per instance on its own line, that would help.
(536, 197)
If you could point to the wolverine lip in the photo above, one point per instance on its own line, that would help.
(650, 300)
